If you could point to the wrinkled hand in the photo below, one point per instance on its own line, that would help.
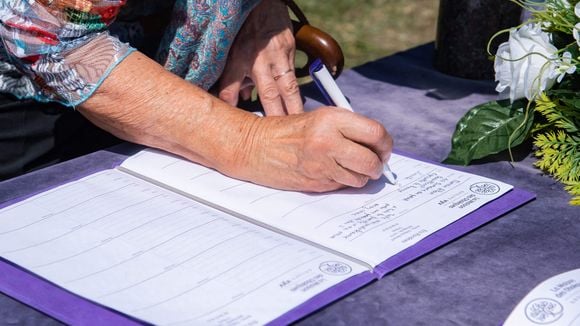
(318, 151)
(264, 49)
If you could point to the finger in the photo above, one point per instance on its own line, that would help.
(246, 89)
(246, 93)
(348, 177)
(230, 85)
(359, 159)
(293, 102)
(369, 133)
(317, 185)
(268, 90)
(290, 92)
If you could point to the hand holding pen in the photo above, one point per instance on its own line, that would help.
(334, 95)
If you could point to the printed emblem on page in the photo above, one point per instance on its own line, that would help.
(335, 268)
(484, 188)
(544, 311)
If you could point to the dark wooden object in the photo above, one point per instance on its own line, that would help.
(315, 43)
(463, 30)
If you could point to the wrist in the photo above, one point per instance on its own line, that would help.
(221, 137)
(238, 145)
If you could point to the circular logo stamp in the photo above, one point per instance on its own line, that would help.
(544, 311)
(335, 268)
(484, 188)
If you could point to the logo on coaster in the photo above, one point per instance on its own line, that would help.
(335, 268)
(544, 311)
(484, 188)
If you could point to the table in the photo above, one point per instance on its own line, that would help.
(475, 280)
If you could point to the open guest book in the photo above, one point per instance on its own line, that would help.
(164, 241)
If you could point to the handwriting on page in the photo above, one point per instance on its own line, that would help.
(370, 224)
(417, 188)
(431, 184)
(365, 218)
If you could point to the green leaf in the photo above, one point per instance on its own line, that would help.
(486, 130)
(573, 103)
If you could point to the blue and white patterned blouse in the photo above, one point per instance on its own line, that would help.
(62, 50)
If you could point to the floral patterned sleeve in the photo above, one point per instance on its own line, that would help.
(62, 47)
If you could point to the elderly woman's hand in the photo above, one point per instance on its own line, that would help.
(263, 55)
(318, 151)
(322, 150)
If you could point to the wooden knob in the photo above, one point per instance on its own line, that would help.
(318, 44)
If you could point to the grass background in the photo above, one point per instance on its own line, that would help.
(371, 29)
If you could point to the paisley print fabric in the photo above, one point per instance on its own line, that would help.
(199, 37)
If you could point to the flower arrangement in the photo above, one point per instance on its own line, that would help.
(537, 77)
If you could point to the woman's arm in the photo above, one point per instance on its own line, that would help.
(318, 151)
(140, 101)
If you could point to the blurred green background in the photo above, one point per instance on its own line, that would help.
(371, 29)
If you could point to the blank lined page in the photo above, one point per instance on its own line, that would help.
(162, 257)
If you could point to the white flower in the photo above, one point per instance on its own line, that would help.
(576, 33)
(576, 30)
(565, 66)
(526, 64)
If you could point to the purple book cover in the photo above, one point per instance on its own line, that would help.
(73, 309)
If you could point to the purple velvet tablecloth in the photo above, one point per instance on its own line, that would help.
(476, 280)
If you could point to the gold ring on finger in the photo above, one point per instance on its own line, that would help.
(282, 74)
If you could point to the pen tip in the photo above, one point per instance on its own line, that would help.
(389, 174)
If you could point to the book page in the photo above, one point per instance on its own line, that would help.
(370, 224)
(556, 301)
(161, 257)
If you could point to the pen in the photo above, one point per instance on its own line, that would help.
(334, 96)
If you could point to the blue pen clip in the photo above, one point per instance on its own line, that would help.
(328, 86)
(316, 66)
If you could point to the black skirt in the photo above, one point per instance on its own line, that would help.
(35, 135)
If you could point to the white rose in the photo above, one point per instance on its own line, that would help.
(576, 33)
(576, 30)
(525, 65)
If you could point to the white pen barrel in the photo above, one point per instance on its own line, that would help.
(335, 94)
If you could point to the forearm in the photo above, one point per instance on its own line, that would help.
(143, 103)
(317, 151)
